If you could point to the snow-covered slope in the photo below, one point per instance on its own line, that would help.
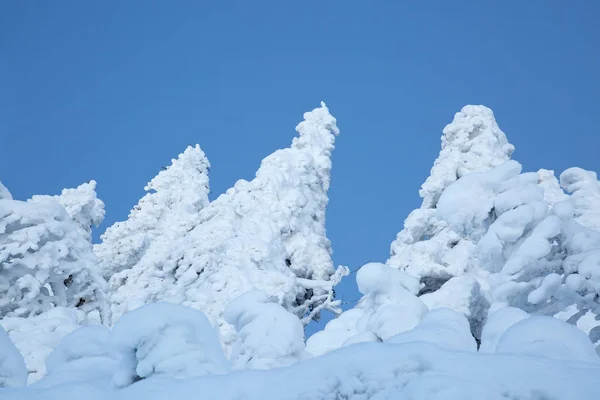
(435, 360)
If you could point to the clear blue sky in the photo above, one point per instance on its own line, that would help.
(112, 91)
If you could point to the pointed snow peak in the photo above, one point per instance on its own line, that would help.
(4, 193)
(473, 142)
(83, 206)
(192, 162)
(318, 130)
(169, 209)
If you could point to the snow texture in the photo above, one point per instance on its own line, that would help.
(46, 259)
(165, 340)
(442, 327)
(36, 337)
(389, 306)
(83, 206)
(585, 195)
(83, 356)
(268, 335)
(13, 372)
(170, 209)
(440, 363)
(547, 337)
(267, 234)
(4, 193)
(498, 321)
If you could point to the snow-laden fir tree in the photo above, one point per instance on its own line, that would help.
(46, 259)
(170, 209)
(267, 234)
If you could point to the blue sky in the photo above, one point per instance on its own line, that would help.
(112, 91)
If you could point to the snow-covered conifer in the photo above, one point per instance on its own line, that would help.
(170, 209)
(45, 260)
(267, 234)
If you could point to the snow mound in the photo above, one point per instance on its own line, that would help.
(36, 337)
(165, 340)
(547, 337)
(13, 372)
(461, 294)
(268, 335)
(442, 327)
(85, 355)
(498, 321)
(366, 371)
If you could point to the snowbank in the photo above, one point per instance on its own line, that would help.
(366, 371)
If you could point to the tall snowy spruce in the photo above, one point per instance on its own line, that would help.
(267, 234)
(169, 210)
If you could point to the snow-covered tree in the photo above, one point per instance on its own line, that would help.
(170, 209)
(267, 234)
(268, 335)
(488, 235)
(46, 259)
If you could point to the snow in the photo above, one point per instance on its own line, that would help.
(267, 234)
(4, 193)
(335, 334)
(83, 206)
(165, 340)
(472, 142)
(547, 337)
(462, 294)
(585, 195)
(83, 356)
(268, 335)
(492, 288)
(13, 372)
(46, 260)
(415, 370)
(36, 337)
(169, 209)
(442, 327)
(498, 321)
